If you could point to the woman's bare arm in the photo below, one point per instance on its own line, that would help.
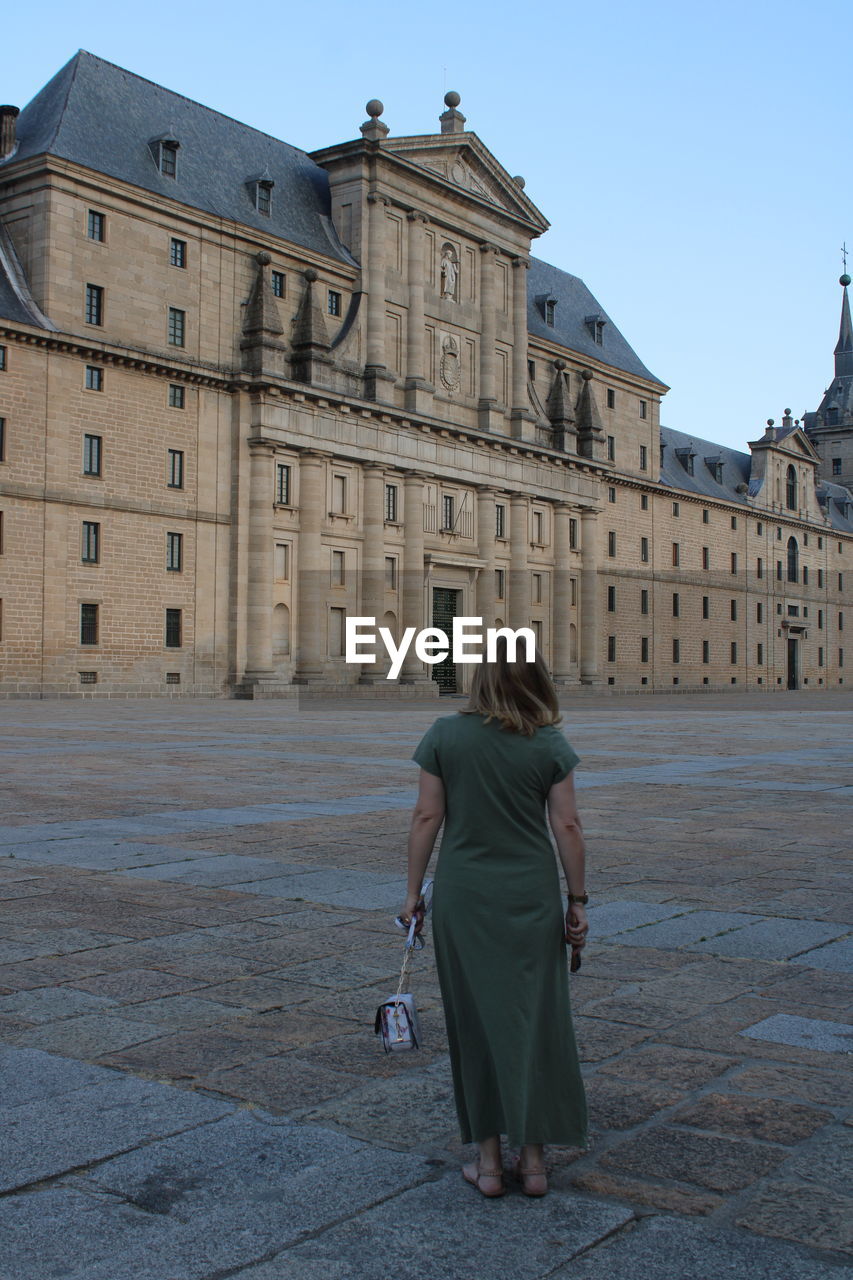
(426, 823)
(565, 823)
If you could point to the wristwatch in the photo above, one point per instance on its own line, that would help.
(581, 898)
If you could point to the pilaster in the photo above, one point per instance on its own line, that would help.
(589, 597)
(376, 373)
(522, 422)
(259, 663)
(488, 399)
(413, 572)
(519, 577)
(419, 390)
(486, 598)
(373, 558)
(311, 624)
(561, 648)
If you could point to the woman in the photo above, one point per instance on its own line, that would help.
(500, 941)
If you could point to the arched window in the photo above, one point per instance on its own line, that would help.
(793, 560)
(791, 490)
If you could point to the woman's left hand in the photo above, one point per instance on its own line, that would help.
(414, 906)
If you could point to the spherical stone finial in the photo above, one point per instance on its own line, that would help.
(845, 279)
(770, 422)
(586, 374)
(374, 108)
(787, 413)
(559, 365)
(452, 99)
(310, 274)
(263, 258)
(519, 181)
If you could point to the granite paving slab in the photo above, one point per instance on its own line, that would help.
(805, 1033)
(719, 1163)
(88, 1036)
(691, 927)
(837, 956)
(778, 939)
(611, 918)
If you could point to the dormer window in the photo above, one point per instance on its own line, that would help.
(165, 153)
(550, 312)
(685, 457)
(260, 189)
(715, 467)
(596, 324)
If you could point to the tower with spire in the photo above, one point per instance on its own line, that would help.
(830, 428)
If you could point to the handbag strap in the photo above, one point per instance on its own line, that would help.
(407, 952)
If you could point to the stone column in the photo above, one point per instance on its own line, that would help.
(522, 418)
(519, 575)
(486, 602)
(486, 405)
(589, 623)
(259, 663)
(418, 388)
(373, 558)
(562, 615)
(375, 370)
(312, 570)
(413, 572)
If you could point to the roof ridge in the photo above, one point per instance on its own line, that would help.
(193, 102)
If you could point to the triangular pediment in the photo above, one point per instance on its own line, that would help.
(795, 444)
(465, 163)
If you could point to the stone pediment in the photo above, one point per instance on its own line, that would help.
(795, 444)
(465, 163)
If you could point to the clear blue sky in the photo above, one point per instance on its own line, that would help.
(694, 161)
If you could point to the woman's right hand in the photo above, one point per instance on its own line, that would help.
(577, 925)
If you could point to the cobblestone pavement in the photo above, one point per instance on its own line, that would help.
(195, 929)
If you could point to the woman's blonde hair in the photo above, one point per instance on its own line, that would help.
(521, 695)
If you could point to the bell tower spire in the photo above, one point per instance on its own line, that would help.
(830, 428)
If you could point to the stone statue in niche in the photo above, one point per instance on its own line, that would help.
(450, 368)
(449, 272)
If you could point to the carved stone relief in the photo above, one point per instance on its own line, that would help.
(450, 365)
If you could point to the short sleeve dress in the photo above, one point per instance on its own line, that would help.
(499, 934)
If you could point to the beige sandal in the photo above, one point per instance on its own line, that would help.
(476, 1175)
(534, 1180)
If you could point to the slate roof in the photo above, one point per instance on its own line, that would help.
(837, 504)
(736, 467)
(98, 115)
(574, 304)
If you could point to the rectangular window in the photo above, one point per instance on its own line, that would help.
(644, 550)
(91, 546)
(2, 439)
(841, 657)
(734, 653)
(676, 650)
(644, 458)
(836, 466)
(263, 198)
(820, 577)
(841, 622)
(94, 304)
(611, 648)
(805, 575)
(500, 520)
(282, 484)
(573, 584)
(531, 370)
(94, 378)
(644, 502)
(97, 226)
(676, 509)
(644, 409)
(820, 657)
(676, 555)
(611, 599)
(447, 511)
(538, 528)
(339, 495)
(169, 159)
(644, 600)
(759, 612)
(820, 619)
(706, 557)
(706, 652)
(611, 494)
(173, 628)
(337, 626)
(177, 327)
(178, 253)
(759, 528)
(778, 570)
(391, 503)
(573, 534)
(88, 624)
(759, 568)
(92, 446)
(537, 588)
(278, 284)
(759, 655)
(282, 562)
(338, 569)
(391, 573)
(611, 448)
(177, 396)
(841, 582)
(611, 398)
(611, 543)
(175, 468)
(644, 648)
(706, 516)
(706, 606)
(734, 562)
(500, 584)
(2, 359)
(733, 610)
(174, 552)
(676, 604)
(334, 303)
(734, 522)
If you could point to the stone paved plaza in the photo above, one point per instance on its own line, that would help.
(196, 903)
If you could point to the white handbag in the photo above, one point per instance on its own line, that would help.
(397, 1018)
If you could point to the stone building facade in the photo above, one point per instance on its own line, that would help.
(246, 392)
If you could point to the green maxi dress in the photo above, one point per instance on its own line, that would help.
(499, 933)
